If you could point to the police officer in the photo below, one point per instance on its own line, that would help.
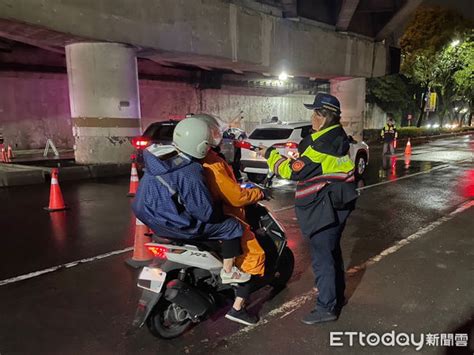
(325, 196)
(389, 134)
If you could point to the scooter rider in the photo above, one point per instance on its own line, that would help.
(174, 201)
(226, 192)
(325, 196)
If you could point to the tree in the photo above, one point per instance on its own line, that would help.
(464, 76)
(392, 93)
(430, 31)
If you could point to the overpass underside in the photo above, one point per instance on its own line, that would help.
(219, 39)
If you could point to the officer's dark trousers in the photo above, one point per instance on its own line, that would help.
(328, 265)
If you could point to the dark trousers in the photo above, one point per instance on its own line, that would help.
(328, 266)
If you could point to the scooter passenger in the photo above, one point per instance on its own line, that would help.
(226, 192)
(174, 201)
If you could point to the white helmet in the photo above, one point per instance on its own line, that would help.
(193, 137)
(214, 126)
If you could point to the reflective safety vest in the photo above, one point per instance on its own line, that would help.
(325, 175)
(320, 163)
(389, 133)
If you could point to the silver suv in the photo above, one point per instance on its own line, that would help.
(286, 138)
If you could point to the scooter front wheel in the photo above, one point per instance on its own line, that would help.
(168, 320)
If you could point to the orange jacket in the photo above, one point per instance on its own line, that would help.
(226, 191)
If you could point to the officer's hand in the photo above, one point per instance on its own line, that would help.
(262, 150)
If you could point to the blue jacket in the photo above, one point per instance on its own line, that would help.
(178, 215)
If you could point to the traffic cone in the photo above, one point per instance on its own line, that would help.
(56, 202)
(141, 255)
(4, 155)
(408, 148)
(133, 181)
(10, 153)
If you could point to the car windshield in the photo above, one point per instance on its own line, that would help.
(271, 133)
(160, 131)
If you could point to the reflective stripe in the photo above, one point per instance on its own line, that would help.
(277, 165)
(316, 187)
(335, 176)
(310, 190)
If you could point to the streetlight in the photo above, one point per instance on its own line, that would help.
(455, 43)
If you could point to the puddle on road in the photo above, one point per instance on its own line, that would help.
(393, 167)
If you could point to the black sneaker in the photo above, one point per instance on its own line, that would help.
(317, 316)
(241, 316)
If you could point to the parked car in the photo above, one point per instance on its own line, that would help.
(155, 133)
(234, 133)
(162, 133)
(286, 138)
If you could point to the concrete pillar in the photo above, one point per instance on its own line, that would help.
(104, 100)
(351, 95)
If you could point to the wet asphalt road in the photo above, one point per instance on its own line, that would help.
(89, 308)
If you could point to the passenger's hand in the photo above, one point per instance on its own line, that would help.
(267, 194)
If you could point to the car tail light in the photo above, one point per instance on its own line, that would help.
(158, 251)
(287, 145)
(140, 142)
(244, 145)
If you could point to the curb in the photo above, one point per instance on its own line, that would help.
(19, 175)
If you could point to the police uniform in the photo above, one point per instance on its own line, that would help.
(325, 196)
(389, 134)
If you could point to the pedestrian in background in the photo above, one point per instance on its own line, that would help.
(325, 196)
(389, 134)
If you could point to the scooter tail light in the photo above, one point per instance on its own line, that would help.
(158, 251)
(291, 145)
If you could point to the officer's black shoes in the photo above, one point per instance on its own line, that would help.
(317, 316)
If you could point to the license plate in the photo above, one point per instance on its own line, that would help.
(151, 279)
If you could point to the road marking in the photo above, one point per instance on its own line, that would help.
(401, 243)
(286, 308)
(382, 183)
(295, 303)
(283, 208)
(63, 266)
(403, 177)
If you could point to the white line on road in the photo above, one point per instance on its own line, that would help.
(410, 238)
(63, 266)
(286, 308)
(381, 183)
(403, 177)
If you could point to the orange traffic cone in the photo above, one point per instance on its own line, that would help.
(408, 148)
(3, 155)
(133, 181)
(56, 202)
(141, 255)
(10, 153)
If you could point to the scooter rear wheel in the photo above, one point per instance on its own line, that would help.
(284, 270)
(168, 320)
